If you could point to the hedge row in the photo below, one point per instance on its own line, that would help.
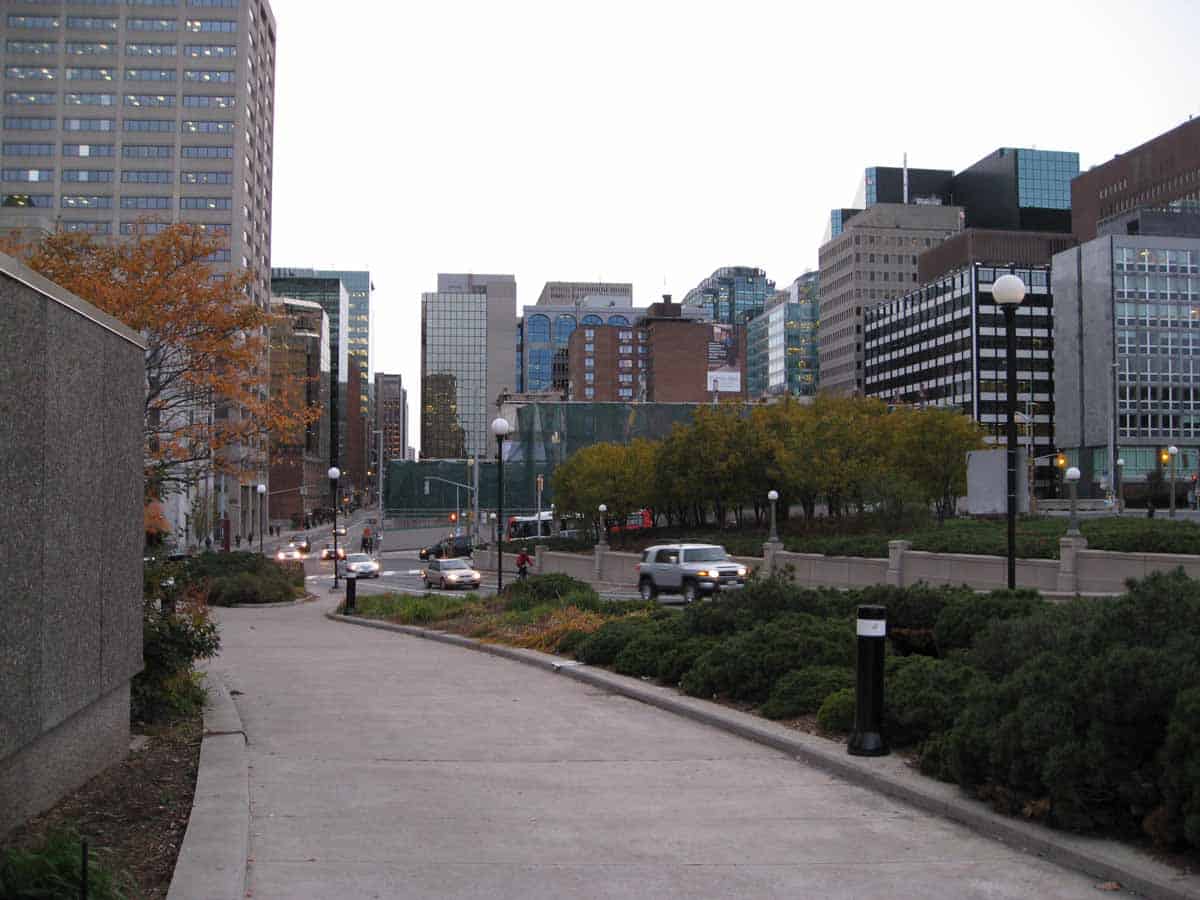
(1085, 715)
(246, 578)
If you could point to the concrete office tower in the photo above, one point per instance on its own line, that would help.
(468, 336)
(1127, 349)
(121, 113)
(160, 111)
(1162, 170)
(358, 331)
(330, 292)
(391, 415)
(732, 295)
(300, 364)
(872, 260)
(781, 342)
(893, 184)
(570, 293)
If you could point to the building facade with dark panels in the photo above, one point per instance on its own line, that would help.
(357, 463)
(1019, 189)
(872, 260)
(1163, 169)
(1127, 346)
(300, 365)
(330, 292)
(944, 344)
(468, 344)
(732, 295)
(358, 323)
(1020, 248)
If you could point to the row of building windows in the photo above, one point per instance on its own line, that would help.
(112, 23)
(93, 73)
(73, 98)
(204, 4)
(132, 48)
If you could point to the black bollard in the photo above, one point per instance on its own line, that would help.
(351, 585)
(83, 873)
(867, 737)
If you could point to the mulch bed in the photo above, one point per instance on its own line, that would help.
(135, 812)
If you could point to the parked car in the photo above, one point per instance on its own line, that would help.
(302, 543)
(360, 565)
(289, 554)
(327, 552)
(450, 573)
(693, 570)
(458, 546)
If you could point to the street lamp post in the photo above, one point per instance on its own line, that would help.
(1007, 292)
(501, 429)
(334, 474)
(1120, 485)
(1173, 453)
(262, 514)
(603, 508)
(773, 495)
(1072, 477)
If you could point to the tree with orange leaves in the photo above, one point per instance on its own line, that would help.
(207, 405)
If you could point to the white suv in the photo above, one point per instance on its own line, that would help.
(689, 569)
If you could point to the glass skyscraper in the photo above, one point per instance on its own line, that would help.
(732, 295)
(358, 327)
(782, 350)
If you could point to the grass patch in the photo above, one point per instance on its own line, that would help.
(414, 609)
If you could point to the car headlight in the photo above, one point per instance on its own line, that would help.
(704, 573)
(741, 570)
(452, 578)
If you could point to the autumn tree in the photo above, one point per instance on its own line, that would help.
(206, 397)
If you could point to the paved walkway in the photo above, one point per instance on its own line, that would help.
(383, 765)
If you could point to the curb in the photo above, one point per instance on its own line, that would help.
(212, 859)
(1104, 860)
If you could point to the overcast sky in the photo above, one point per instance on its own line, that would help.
(654, 142)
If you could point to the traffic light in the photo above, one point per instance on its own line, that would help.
(1061, 460)
(1164, 457)
(453, 517)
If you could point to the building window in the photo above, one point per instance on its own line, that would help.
(88, 227)
(209, 101)
(205, 203)
(537, 329)
(28, 149)
(78, 73)
(31, 73)
(151, 24)
(589, 363)
(88, 175)
(79, 201)
(32, 21)
(87, 149)
(206, 152)
(27, 175)
(211, 26)
(32, 48)
(147, 151)
(145, 203)
(210, 51)
(625, 393)
(589, 377)
(92, 23)
(625, 363)
(153, 176)
(149, 100)
(159, 125)
(29, 98)
(141, 49)
(39, 201)
(204, 126)
(149, 74)
(209, 76)
(89, 124)
(592, 320)
(617, 320)
(205, 177)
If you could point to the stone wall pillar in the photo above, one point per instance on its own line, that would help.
(770, 548)
(539, 553)
(1068, 563)
(895, 569)
(598, 559)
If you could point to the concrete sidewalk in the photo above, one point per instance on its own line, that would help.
(384, 765)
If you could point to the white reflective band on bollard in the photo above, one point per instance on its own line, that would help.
(872, 627)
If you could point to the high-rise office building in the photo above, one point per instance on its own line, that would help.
(872, 260)
(123, 117)
(732, 295)
(893, 184)
(1163, 169)
(358, 330)
(468, 336)
(781, 342)
(300, 368)
(115, 113)
(391, 415)
(1127, 349)
(1019, 189)
(330, 292)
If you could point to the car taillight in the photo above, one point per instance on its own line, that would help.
(637, 567)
